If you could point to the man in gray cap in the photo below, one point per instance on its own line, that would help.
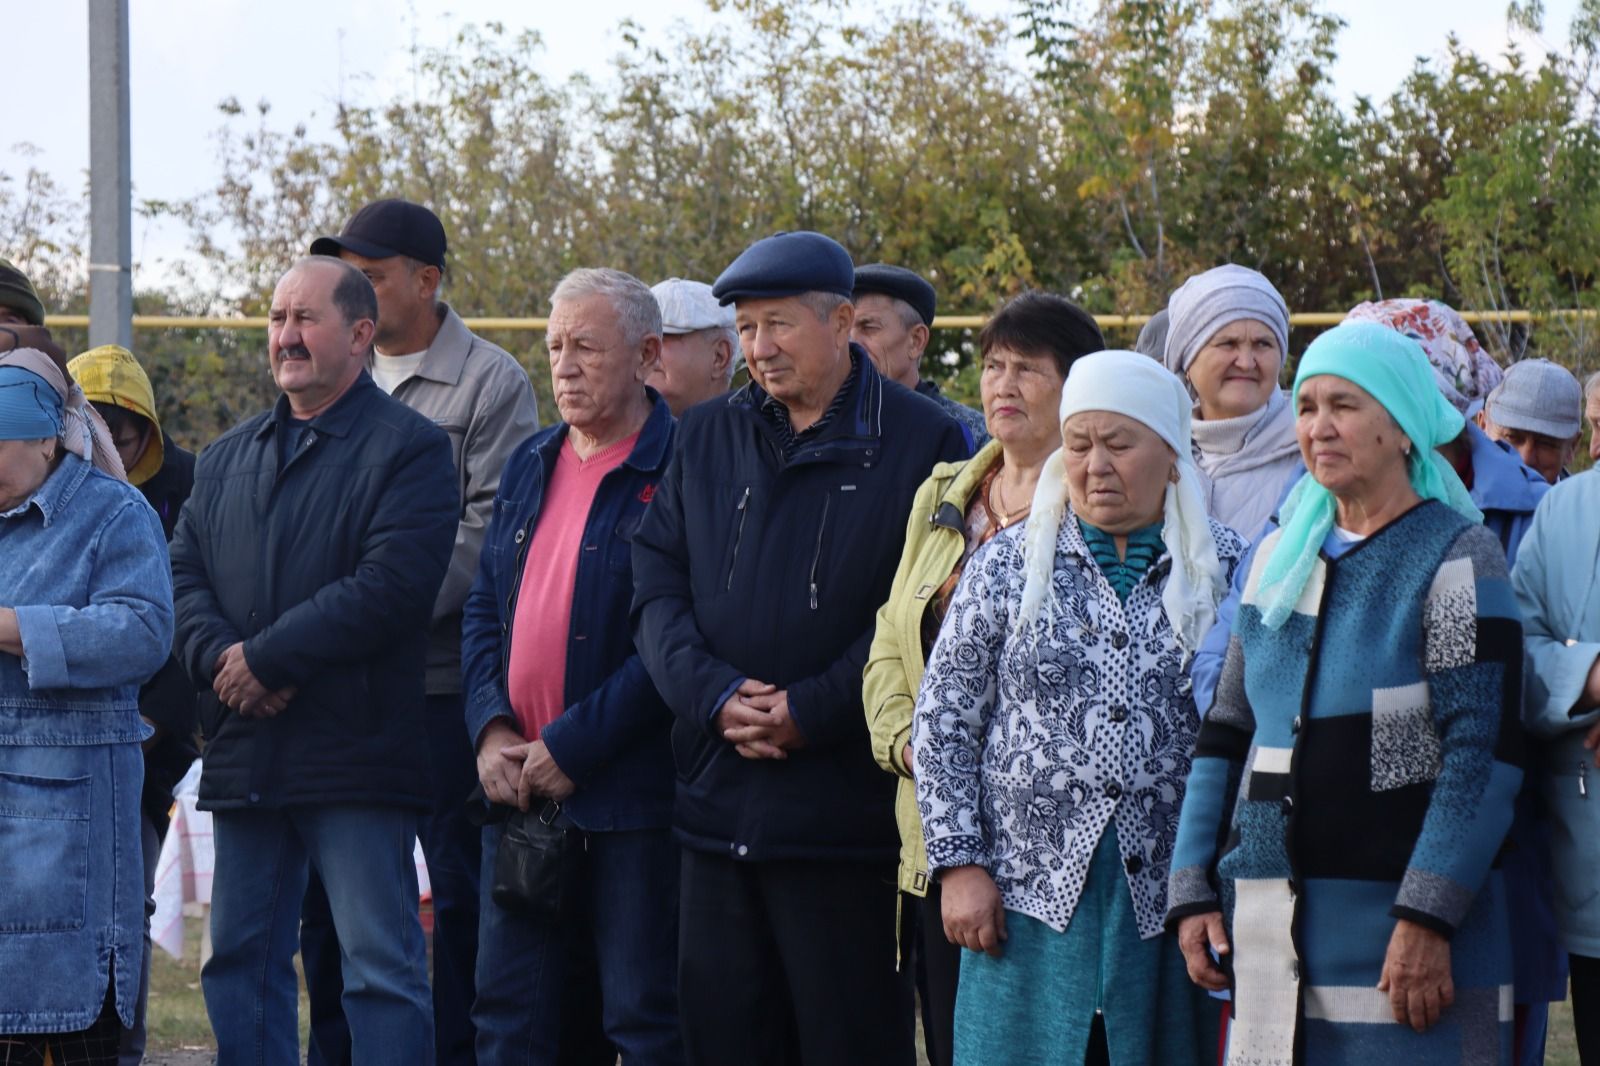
(894, 313)
(759, 567)
(1537, 409)
(699, 347)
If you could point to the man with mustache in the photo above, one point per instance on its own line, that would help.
(305, 567)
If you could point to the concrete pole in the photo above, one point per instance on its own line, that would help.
(110, 177)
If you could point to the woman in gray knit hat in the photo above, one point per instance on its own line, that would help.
(1227, 336)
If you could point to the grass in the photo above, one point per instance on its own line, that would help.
(178, 1023)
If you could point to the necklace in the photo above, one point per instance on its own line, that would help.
(997, 501)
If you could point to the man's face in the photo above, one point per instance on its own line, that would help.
(315, 354)
(1591, 413)
(10, 316)
(1546, 455)
(595, 374)
(131, 439)
(406, 291)
(693, 368)
(895, 348)
(792, 353)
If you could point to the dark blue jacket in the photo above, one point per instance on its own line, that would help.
(612, 740)
(750, 565)
(327, 572)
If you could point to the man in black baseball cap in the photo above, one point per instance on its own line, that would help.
(894, 313)
(426, 358)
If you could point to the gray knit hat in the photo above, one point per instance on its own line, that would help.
(1221, 296)
(1537, 396)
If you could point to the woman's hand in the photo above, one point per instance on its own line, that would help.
(10, 632)
(970, 905)
(1198, 936)
(1416, 974)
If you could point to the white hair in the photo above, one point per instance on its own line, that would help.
(635, 305)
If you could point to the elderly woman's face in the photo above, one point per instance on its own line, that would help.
(1021, 398)
(1237, 369)
(1347, 439)
(24, 465)
(1117, 470)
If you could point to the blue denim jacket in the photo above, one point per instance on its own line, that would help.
(613, 738)
(84, 563)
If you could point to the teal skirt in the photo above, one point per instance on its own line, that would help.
(1035, 1004)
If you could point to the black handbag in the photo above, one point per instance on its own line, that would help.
(537, 860)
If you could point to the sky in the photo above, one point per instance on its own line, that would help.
(304, 55)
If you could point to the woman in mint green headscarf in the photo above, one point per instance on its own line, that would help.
(1363, 745)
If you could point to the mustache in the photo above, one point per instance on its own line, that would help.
(297, 351)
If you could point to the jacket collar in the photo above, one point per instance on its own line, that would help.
(57, 490)
(951, 509)
(336, 421)
(446, 358)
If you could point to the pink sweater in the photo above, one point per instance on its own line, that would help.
(536, 676)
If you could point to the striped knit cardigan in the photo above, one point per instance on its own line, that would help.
(1359, 766)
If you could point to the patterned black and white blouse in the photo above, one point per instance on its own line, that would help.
(1027, 747)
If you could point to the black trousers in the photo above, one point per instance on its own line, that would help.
(1586, 1007)
(791, 964)
(938, 965)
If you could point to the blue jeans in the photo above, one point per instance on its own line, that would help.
(450, 843)
(529, 968)
(363, 855)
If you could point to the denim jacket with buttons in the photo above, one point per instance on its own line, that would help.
(84, 563)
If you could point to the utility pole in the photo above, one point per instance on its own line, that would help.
(110, 177)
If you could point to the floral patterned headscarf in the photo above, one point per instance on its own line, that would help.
(1463, 371)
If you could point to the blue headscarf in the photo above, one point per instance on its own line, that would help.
(1394, 370)
(29, 408)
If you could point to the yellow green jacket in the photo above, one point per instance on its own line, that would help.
(935, 538)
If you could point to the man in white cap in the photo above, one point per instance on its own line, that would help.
(1537, 409)
(699, 347)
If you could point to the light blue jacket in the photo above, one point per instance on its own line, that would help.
(1557, 580)
(84, 563)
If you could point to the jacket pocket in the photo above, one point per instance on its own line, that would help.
(691, 751)
(44, 822)
(813, 588)
(741, 512)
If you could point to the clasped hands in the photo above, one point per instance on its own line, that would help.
(514, 771)
(237, 687)
(757, 722)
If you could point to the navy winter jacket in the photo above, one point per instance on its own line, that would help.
(327, 572)
(748, 565)
(612, 738)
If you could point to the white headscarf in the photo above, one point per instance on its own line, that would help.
(1133, 385)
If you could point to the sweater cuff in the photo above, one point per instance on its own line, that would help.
(44, 656)
(946, 853)
(1431, 900)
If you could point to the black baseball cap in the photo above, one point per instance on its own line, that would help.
(386, 228)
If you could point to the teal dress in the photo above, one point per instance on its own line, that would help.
(1036, 1003)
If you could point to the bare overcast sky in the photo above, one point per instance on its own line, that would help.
(187, 55)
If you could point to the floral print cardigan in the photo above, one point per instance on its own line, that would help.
(1027, 746)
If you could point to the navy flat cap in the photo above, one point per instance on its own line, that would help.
(787, 264)
(900, 283)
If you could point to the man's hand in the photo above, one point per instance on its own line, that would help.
(238, 688)
(10, 631)
(1198, 936)
(1592, 742)
(908, 760)
(739, 713)
(974, 917)
(1416, 974)
(764, 728)
(538, 774)
(499, 775)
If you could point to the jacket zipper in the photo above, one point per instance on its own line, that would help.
(816, 555)
(511, 598)
(738, 536)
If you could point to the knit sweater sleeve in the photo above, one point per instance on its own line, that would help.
(959, 691)
(1472, 639)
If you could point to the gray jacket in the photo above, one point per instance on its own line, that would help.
(480, 396)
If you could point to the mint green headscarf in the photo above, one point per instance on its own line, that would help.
(1393, 370)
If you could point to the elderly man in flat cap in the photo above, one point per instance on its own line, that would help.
(1537, 409)
(894, 312)
(699, 346)
(758, 567)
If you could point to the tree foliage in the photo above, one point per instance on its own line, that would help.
(1105, 149)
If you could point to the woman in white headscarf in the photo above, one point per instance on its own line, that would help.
(1053, 733)
(1227, 337)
